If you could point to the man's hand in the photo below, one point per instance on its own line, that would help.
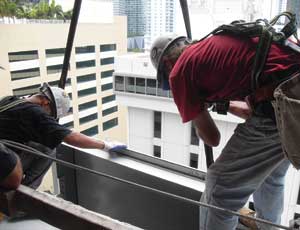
(113, 146)
(240, 109)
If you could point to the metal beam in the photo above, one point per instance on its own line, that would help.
(56, 211)
(71, 35)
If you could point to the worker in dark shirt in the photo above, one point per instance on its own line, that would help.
(216, 69)
(33, 121)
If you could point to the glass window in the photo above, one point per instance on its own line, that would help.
(108, 73)
(108, 47)
(151, 87)
(194, 137)
(157, 151)
(86, 78)
(140, 85)
(157, 124)
(24, 91)
(26, 73)
(86, 92)
(108, 99)
(109, 111)
(87, 105)
(69, 125)
(23, 55)
(85, 64)
(54, 69)
(193, 160)
(88, 118)
(55, 83)
(107, 61)
(129, 84)
(55, 52)
(110, 124)
(161, 92)
(107, 86)
(85, 49)
(119, 83)
(91, 131)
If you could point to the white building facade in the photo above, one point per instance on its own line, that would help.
(155, 127)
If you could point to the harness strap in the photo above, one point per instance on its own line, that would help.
(5, 104)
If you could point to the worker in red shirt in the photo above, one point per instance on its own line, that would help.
(219, 68)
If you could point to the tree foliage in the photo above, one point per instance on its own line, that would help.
(25, 9)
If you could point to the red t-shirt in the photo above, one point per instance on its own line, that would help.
(219, 68)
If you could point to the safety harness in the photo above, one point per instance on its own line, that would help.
(267, 35)
(9, 102)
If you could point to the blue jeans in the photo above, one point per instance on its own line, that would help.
(252, 162)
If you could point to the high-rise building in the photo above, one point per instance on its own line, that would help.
(31, 56)
(136, 21)
(147, 18)
(160, 15)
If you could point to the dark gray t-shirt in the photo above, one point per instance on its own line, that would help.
(29, 122)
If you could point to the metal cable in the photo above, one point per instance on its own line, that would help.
(28, 149)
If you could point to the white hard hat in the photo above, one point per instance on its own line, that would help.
(59, 100)
(160, 48)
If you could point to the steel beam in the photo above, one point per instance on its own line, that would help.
(56, 211)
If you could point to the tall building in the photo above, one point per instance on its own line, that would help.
(155, 127)
(136, 21)
(160, 15)
(147, 19)
(31, 56)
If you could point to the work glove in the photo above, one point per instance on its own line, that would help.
(110, 146)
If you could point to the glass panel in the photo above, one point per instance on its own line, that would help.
(129, 84)
(88, 118)
(107, 86)
(23, 56)
(108, 99)
(110, 124)
(86, 92)
(194, 160)
(109, 111)
(157, 124)
(26, 73)
(108, 47)
(69, 125)
(85, 49)
(151, 87)
(54, 69)
(194, 138)
(161, 92)
(140, 85)
(86, 78)
(85, 64)
(107, 61)
(87, 105)
(55, 52)
(156, 151)
(24, 91)
(108, 73)
(119, 83)
(91, 131)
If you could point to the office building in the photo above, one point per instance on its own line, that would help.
(33, 53)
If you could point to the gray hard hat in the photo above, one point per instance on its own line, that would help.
(159, 49)
(59, 100)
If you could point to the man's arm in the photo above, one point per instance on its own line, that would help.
(13, 180)
(83, 141)
(206, 128)
(240, 109)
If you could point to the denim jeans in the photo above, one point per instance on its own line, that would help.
(34, 167)
(252, 162)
